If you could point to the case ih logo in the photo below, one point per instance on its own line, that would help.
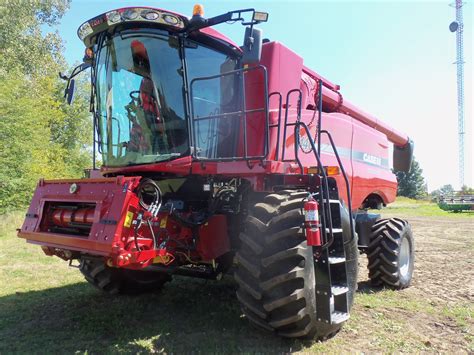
(305, 144)
(372, 159)
(304, 141)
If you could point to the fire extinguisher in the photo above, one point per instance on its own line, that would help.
(311, 222)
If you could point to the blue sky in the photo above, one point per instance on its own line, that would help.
(391, 58)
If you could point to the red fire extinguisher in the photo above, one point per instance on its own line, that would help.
(311, 222)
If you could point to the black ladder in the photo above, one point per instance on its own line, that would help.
(332, 290)
(331, 286)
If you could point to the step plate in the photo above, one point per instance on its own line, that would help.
(339, 290)
(339, 317)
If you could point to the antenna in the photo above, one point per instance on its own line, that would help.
(458, 27)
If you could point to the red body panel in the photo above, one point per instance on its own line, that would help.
(109, 195)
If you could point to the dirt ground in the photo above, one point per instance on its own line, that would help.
(437, 309)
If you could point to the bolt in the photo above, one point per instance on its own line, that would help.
(325, 293)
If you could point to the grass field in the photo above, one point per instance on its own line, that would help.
(47, 307)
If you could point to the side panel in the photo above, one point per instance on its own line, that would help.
(371, 165)
(340, 127)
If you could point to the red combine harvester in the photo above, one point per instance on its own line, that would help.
(218, 158)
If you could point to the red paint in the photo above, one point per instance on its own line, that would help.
(213, 239)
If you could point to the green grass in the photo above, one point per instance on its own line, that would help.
(408, 207)
(47, 307)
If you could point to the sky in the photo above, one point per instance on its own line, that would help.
(393, 59)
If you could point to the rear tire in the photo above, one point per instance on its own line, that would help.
(121, 281)
(275, 270)
(391, 253)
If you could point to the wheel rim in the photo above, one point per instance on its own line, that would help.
(404, 259)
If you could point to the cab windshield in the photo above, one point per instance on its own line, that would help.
(140, 96)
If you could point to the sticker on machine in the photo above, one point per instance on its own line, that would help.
(128, 219)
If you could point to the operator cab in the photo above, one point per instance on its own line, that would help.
(165, 86)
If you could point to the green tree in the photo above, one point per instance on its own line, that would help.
(466, 190)
(443, 190)
(24, 50)
(40, 136)
(411, 184)
(446, 189)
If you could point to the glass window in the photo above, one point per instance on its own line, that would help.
(214, 101)
(140, 100)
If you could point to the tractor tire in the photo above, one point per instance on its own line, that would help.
(275, 269)
(121, 281)
(391, 253)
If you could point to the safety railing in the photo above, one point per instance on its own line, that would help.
(240, 114)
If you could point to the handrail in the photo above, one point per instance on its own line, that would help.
(323, 199)
(346, 179)
(278, 125)
(298, 112)
(243, 117)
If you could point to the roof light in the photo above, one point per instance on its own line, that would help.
(170, 19)
(130, 14)
(198, 10)
(85, 30)
(260, 16)
(113, 17)
(150, 15)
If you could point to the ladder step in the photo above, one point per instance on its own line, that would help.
(339, 317)
(336, 259)
(332, 201)
(334, 230)
(339, 290)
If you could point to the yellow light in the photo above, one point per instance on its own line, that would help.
(330, 170)
(198, 10)
(89, 53)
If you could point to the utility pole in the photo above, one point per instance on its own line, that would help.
(458, 27)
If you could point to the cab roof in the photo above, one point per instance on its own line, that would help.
(142, 16)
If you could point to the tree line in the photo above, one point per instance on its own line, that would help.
(413, 185)
(40, 135)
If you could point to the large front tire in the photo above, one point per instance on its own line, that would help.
(121, 281)
(275, 270)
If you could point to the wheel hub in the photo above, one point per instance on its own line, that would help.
(404, 258)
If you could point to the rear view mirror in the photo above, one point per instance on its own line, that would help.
(403, 157)
(252, 47)
(69, 92)
(71, 84)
